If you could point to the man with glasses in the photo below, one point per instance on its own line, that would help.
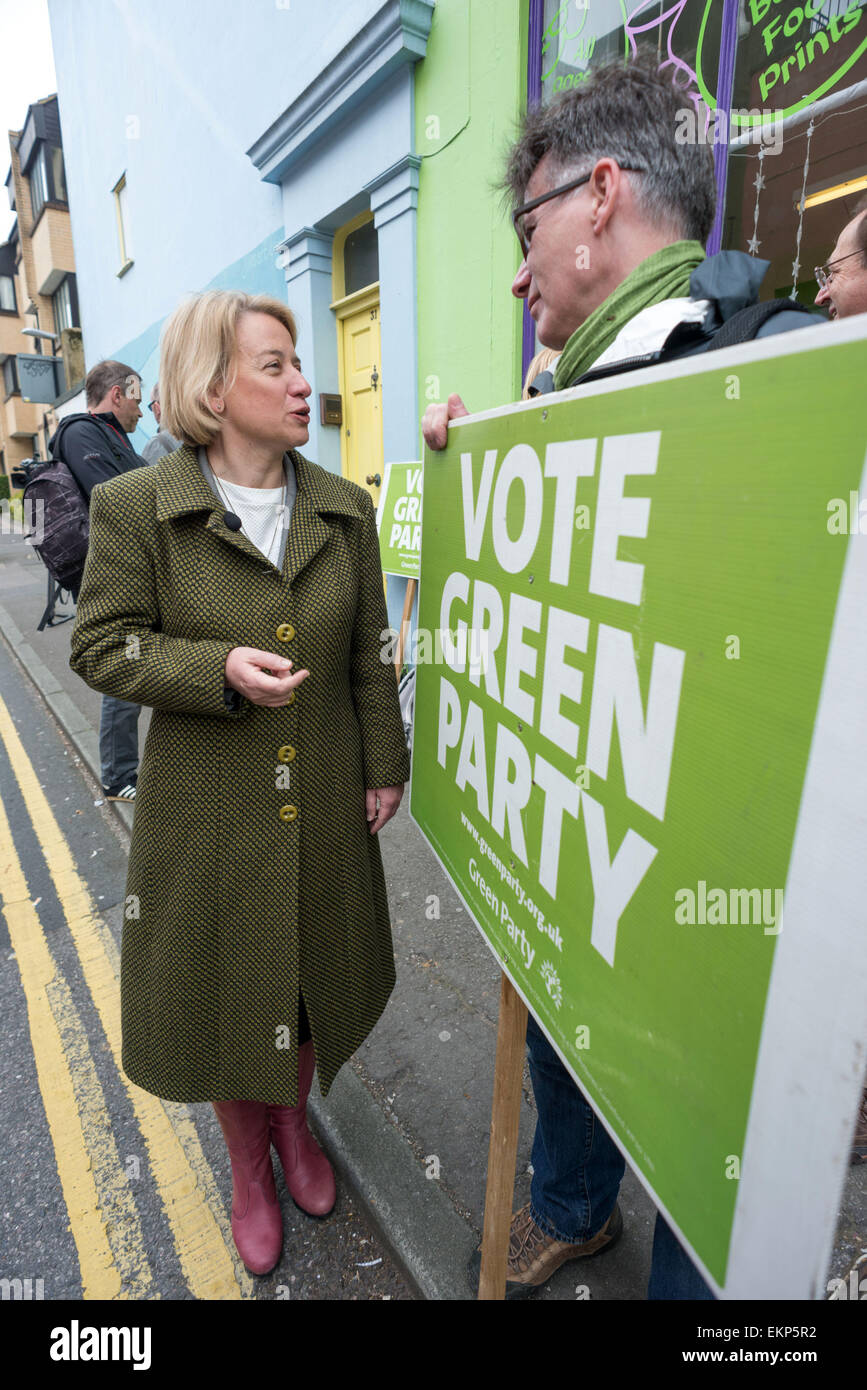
(162, 442)
(843, 278)
(612, 213)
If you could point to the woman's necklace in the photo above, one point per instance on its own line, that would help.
(234, 523)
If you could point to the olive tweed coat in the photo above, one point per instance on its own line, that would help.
(252, 871)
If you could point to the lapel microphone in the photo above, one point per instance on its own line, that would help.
(233, 522)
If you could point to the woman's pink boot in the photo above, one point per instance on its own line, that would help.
(257, 1226)
(308, 1173)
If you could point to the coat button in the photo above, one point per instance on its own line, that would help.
(285, 632)
(290, 698)
(288, 812)
(286, 753)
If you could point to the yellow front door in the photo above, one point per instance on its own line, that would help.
(361, 389)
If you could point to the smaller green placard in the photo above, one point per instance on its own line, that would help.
(398, 519)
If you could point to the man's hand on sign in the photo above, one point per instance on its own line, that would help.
(435, 424)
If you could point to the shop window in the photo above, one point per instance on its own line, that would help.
(7, 294)
(685, 37)
(798, 165)
(774, 90)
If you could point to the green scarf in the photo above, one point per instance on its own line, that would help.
(664, 275)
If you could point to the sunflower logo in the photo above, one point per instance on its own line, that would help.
(552, 982)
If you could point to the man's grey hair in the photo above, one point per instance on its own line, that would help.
(628, 113)
(155, 393)
(103, 376)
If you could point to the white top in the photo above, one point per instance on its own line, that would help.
(259, 509)
(261, 513)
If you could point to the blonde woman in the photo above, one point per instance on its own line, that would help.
(542, 362)
(236, 587)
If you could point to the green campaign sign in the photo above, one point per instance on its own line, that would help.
(398, 519)
(640, 753)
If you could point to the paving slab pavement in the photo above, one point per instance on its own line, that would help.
(407, 1122)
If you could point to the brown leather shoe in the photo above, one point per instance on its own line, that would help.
(535, 1256)
(859, 1142)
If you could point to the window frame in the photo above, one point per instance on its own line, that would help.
(16, 389)
(126, 261)
(38, 165)
(40, 177)
(14, 308)
(68, 285)
(57, 197)
(338, 281)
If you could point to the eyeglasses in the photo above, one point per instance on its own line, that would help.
(825, 273)
(152, 404)
(525, 236)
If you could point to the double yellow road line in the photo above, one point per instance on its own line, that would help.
(99, 1185)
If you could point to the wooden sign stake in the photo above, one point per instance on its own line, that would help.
(503, 1150)
(404, 623)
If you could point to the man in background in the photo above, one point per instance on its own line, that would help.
(95, 447)
(162, 442)
(843, 277)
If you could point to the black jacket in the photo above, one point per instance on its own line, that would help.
(95, 448)
(730, 280)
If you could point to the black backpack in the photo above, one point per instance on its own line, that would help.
(57, 507)
(743, 326)
(56, 499)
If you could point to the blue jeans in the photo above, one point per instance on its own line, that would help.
(577, 1170)
(118, 740)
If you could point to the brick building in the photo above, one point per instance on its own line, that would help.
(38, 293)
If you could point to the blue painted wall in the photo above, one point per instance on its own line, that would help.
(173, 96)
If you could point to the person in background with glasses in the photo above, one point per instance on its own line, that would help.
(843, 278)
(612, 213)
(162, 442)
